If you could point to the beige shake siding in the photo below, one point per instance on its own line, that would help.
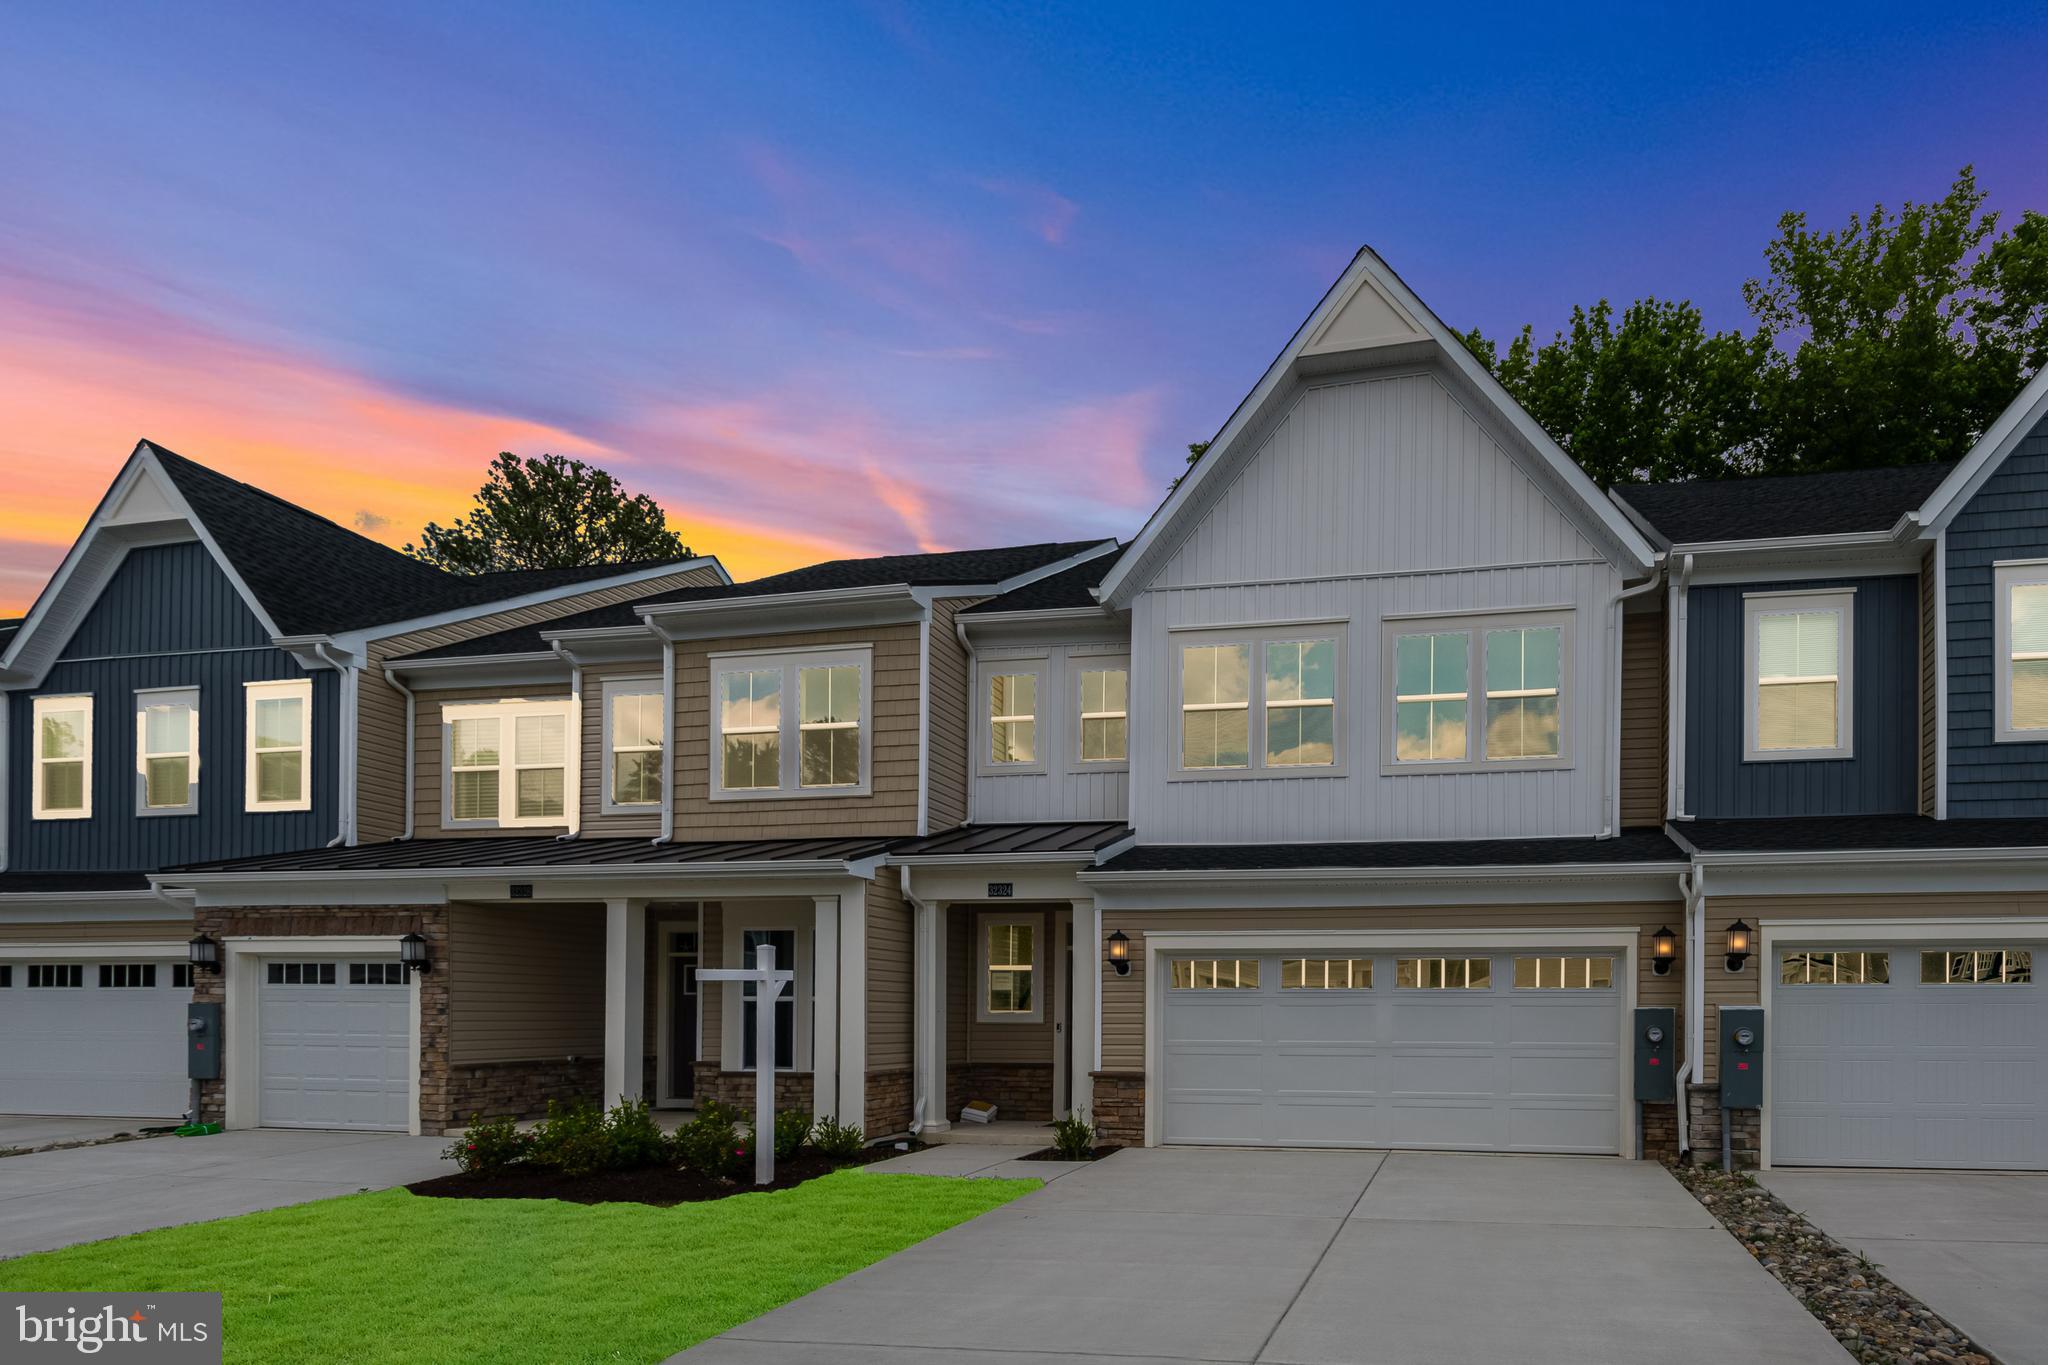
(711, 953)
(950, 720)
(525, 983)
(380, 708)
(889, 967)
(428, 758)
(98, 931)
(1644, 708)
(596, 762)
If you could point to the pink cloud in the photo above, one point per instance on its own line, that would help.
(1047, 212)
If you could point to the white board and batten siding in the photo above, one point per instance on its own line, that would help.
(1375, 497)
(1067, 789)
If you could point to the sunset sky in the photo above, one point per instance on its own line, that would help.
(844, 279)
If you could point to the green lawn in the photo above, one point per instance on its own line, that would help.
(393, 1277)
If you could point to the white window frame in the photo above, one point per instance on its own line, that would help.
(70, 701)
(1038, 668)
(1755, 606)
(1474, 626)
(302, 690)
(145, 698)
(792, 663)
(610, 691)
(2005, 576)
(1079, 666)
(990, 919)
(1256, 638)
(507, 714)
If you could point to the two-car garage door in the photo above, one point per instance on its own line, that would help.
(1482, 1051)
(93, 1037)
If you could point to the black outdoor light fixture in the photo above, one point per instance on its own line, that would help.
(1120, 953)
(412, 953)
(1738, 945)
(1663, 951)
(203, 953)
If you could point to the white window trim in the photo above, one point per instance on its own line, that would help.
(1474, 625)
(1077, 665)
(1038, 667)
(70, 701)
(631, 687)
(792, 662)
(1257, 638)
(982, 924)
(1758, 604)
(146, 697)
(507, 714)
(301, 688)
(2005, 576)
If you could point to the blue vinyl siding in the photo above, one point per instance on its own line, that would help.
(168, 618)
(1882, 778)
(2008, 519)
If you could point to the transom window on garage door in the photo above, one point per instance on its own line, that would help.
(1443, 973)
(1564, 973)
(115, 976)
(1216, 974)
(1855, 968)
(1977, 967)
(376, 974)
(62, 976)
(300, 973)
(1326, 974)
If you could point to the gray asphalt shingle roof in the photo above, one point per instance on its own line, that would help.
(1067, 588)
(456, 855)
(1706, 510)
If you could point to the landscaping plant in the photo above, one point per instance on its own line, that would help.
(489, 1145)
(633, 1136)
(571, 1139)
(711, 1144)
(837, 1141)
(1073, 1137)
(792, 1130)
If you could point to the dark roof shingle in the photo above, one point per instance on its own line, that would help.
(63, 883)
(456, 855)
(1631, 846)
(1860, 833)
(1067, 588)
(1704, 511)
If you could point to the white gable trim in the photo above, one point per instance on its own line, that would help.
(1368, 316)
(1998, 441)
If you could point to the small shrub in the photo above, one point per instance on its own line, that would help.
(489, 1145)
(837, 1141)
(792, 1130)
(633, 1136)
(711, 1144)
(571, 1139)
(1073, 1137)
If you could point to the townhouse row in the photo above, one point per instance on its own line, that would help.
(1360, 799)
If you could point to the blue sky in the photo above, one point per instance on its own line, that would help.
(861, 278)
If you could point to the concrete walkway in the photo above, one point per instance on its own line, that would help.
(978, 1161)
(53, 1199)
(1345, 1258)
(1973, 1246)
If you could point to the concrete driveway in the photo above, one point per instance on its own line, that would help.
(1973, 1246)
(40, 1130)
(53, 1199)
(1351, 1258)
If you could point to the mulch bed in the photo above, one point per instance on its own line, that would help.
(658, 1185)
(1877, 1322)
(1053, 1154)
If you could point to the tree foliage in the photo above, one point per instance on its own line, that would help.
(550, 512)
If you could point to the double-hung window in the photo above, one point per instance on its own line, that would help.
(1012, 692)
(2020, 623)
(792, 724)
(507, 765)
(1105, 714)
(279, 768)
(1009, 970)
(1295, 724)
(167, 751)
(633, 745)
(1798, 649)
(1482, 693)
(63, 758)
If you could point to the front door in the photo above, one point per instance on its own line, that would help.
(682, 1014)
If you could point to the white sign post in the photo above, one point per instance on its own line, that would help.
(769, 984)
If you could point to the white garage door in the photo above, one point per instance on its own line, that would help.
(1487, 1052)
(1932, 1054)
(93, 1037)
(336, 1044)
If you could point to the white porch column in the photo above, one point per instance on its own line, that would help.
(825, 1007)
(1080, 1039)
(853, 1006)
(625, 998)
(929, 974)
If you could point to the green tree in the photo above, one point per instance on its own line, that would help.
(550, 512)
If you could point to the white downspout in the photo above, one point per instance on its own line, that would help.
(411, 701)
(1693, 886)
(1616, 633)
(345, 787)
(1681, 587)
(668, 732)
(574, 809)
(6, 777)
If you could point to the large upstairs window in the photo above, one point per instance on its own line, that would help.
(795, 724)
(1284, 719)
(2020, 624)
(633, 745)
(1475, 694)
(1797, 654)
(507, 765)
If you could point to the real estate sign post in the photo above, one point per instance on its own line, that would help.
(770, 983)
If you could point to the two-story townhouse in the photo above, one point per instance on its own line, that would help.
(189, 687)
(593, 807)
(1859, 774)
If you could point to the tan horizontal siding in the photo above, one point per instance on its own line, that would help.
(596, 762)
(429, 740)
(948, 725)
(711, 953)
(525, 983)
(1644, 717)
(889, 972)
(98, 931)
(1001, 1042)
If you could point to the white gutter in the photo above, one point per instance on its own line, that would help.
(1503, 872)
(1616, 648)
(668, 730)
(1674, 687)
(345, 785)
(391, 676)
(924, 729)
(572, 802)
(806, 867)
(1857, 857)
(1941, 674)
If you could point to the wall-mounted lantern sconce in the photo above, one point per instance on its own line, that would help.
(412, 954)
(1120, 953)
(1738, 945)
(203, 953)
(1663, 951)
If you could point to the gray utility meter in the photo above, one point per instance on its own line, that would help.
(1742, 1057)
(202, 1041)
(1656, 1045)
